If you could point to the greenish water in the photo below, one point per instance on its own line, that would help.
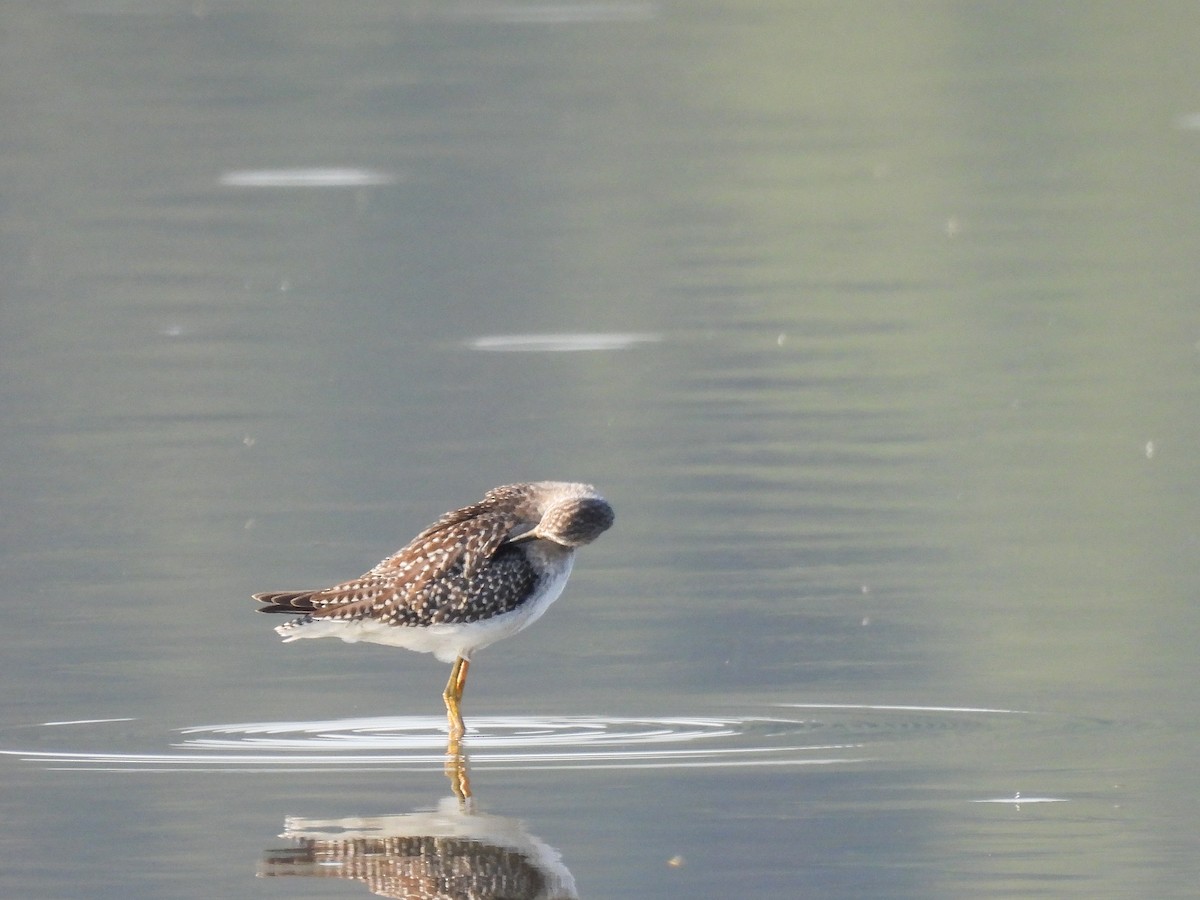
(877, 328)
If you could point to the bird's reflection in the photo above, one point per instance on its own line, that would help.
(454, 851)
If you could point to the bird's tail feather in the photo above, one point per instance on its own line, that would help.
(290, 602)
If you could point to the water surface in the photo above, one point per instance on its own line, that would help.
(878, 331)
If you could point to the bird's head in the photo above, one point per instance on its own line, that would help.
(571, 515)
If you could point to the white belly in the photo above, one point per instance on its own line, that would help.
(446, 641)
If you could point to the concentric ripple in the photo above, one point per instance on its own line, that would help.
(418, 743)
(807, 735)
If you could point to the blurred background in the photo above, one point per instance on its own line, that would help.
(877, 324)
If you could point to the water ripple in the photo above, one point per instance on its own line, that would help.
(559, 343)
(416, 742)
(805, 735)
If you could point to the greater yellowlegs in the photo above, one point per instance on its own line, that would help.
(476, 575)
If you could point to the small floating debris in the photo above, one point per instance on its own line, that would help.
(558, 343)
(290, 178)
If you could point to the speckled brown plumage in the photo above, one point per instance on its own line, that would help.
(462, 568)
(459, 595)
(476, 575)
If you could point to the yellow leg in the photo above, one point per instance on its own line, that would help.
(453, 695)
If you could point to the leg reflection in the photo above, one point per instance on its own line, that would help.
(456, 770)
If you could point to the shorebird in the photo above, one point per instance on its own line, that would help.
(476, 575)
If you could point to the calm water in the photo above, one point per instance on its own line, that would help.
(878, 326)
